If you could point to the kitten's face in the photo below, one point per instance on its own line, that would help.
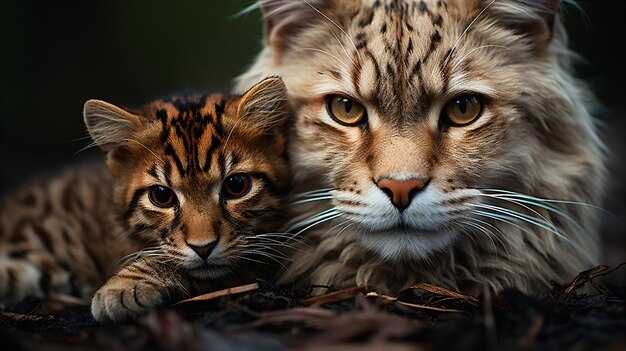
(199, 175)
(408, 114)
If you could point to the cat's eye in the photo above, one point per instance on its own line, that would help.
(345, 110)
(237, 185)
(161, 196)
(463, 110)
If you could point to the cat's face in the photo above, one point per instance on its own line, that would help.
(409, 110)
(199, 175)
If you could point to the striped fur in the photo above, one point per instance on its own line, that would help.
(68, 234)
(489, 213)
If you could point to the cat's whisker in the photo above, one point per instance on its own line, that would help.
(549, 226)
(340, 62)
(320, 198)
(456, 43)
(523, 202)
(318, 222)
(336, 25)
(486, 233)
(511, 219)
(544, 200)
(311, 219)
(498, 237)
(464, 57)
(306, 193)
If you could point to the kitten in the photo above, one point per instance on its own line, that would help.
(445, 135)
(196, 181)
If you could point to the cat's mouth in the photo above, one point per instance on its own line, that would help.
(400, 243)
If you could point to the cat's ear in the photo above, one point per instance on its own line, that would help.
(265, 106)
(108, 125)
(284, 19)
(535, 19)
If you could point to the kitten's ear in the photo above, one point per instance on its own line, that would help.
(265, 105)
(284, 19)
(109, 125)
(533, 18)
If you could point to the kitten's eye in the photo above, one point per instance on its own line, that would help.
(237, 185)
(344, 110)
(464, 109)
(161, 196)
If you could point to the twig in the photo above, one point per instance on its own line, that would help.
(582, 278)
(220, 293)
(443, 292)
(424, 307)
(334, 297)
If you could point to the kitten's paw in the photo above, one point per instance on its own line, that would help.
(124, 301)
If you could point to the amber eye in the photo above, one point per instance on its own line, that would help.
(237, 185)
(463, 110)
(345, 111)
(161, 196)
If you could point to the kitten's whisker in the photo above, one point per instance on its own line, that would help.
(265, 254)
(288, 236)
(145, 147)
(274, 242)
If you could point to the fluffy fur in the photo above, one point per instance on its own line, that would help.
(509, 198)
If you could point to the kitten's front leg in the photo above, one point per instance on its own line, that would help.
(135, 290)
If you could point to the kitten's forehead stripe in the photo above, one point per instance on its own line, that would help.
(192, 131)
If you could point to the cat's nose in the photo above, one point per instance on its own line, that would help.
(401, 192)
(204, 250)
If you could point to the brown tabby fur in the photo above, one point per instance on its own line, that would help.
(64, 235)
(490, 214)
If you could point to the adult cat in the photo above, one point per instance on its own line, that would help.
(451, 138)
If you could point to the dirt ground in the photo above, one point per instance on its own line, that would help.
(262, 316)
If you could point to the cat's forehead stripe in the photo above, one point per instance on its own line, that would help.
(404, 63)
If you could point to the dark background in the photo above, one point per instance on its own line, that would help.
(57, 54)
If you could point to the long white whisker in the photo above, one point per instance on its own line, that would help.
(549, 208)
(484, 231)
(509, 220)
(320, 198)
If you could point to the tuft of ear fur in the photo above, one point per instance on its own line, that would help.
(109, 125)
(283, 19)
(265, 105)
(533, 18)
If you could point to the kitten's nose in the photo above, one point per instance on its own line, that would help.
(401, 192)
(203, 250)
